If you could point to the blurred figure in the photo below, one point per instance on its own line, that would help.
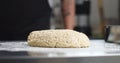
(19, 17)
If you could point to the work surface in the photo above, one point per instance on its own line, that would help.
(99, 51)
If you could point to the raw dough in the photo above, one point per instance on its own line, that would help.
(59, 38)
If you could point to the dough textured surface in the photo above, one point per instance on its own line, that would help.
(59, 38)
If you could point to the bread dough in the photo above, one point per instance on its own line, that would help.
(61, 38)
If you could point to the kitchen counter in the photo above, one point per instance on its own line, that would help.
(98, 52)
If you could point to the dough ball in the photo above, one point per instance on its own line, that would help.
(59, 38)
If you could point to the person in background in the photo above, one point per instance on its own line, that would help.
(19, 17)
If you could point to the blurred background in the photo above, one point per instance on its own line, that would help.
(91, 16)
